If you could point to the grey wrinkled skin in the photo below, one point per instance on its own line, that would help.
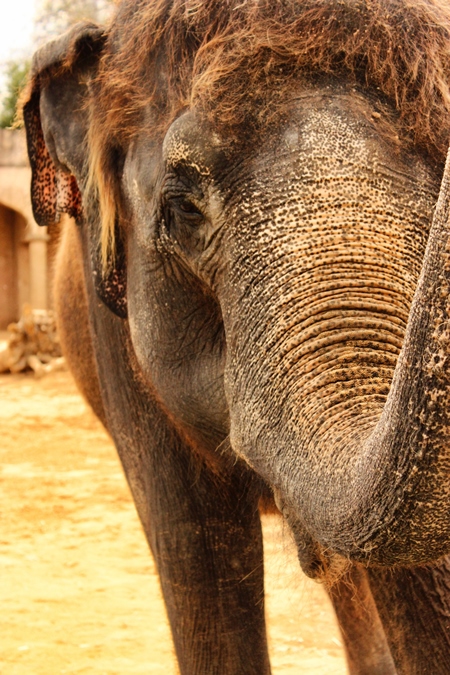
(269, 289)
(311, 249)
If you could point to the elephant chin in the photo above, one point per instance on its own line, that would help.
(316, 562)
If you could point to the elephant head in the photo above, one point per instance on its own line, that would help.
(265, 183)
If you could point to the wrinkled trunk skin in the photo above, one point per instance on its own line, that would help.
(319, 285)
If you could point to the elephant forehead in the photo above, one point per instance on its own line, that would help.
(323, 121)
(178, 150)
(343, 134)
(191, 142)
(326, 138)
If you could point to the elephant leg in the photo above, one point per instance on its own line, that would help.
(414, 606)
(205, 534)
(365, 643)
(202, 525)
(206, 539)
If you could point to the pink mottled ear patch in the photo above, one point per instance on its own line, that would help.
(53, 190)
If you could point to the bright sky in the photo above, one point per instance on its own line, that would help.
(16, 30)
(16, 27)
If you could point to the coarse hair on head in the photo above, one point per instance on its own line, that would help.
(233, 60)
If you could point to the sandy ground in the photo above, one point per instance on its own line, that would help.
(78, 588)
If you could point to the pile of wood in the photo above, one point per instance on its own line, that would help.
(32, 343)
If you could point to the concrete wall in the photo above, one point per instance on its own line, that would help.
(13, 148)
(8, 267)
(24, 269)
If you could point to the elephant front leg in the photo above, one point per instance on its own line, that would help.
(206, 540)
(205, 535)
(414, 606)
(365, 643)
(204, 529)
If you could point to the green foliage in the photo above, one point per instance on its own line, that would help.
(16, 76)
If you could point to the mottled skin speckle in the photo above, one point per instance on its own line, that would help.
(53, 190)
(268, 345)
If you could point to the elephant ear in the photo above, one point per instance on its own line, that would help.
(56, 116)
(53, 190)
(56, 121)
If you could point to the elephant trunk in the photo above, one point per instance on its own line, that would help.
(347, 418)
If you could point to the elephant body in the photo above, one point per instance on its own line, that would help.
(259, 275)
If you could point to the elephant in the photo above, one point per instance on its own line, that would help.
(252, 294)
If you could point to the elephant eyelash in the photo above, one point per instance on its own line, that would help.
(187, 207)
(178, 205)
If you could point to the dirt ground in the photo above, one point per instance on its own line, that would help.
(78, 588)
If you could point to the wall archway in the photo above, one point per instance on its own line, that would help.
(24, 273)
(14, 265)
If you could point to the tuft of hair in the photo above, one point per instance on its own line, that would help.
(101, 189)
(234, 60)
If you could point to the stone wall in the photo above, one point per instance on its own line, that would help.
(24, 269)
(13, 149)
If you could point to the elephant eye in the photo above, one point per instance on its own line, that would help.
(184, 210)
(188, 207)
